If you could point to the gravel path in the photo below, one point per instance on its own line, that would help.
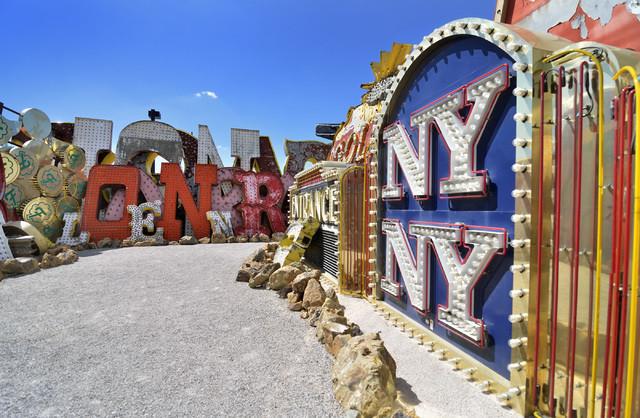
(428, 384)
(162, 331)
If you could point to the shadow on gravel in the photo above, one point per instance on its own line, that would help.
(407, 395)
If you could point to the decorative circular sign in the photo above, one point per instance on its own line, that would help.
(40, 212)
(8, 129)
(40, 149)
(74, 158)
(14, 195)
(67, 204)
(77, 186)
(50, 180)
(58, 147)
(28, 187)
(36, 123)
(11, 167)
(27, 161)
(53, 230)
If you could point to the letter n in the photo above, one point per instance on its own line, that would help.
(414, 273)
(176, 188)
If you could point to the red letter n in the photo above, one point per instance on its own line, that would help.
(176, 188)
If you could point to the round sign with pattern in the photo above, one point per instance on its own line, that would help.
(58, 147)
(8, 129)
(67, 204)
(36, 123)
(74, 158)
(11, 167)
(50, 180)
(53, 230)
(77, 186)
(14, 195)
(40, 149)
(28, 187)
(27, 161)
(40, 212)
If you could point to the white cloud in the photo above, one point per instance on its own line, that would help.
(207, 93)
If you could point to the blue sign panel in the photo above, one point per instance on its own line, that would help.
(445, 165)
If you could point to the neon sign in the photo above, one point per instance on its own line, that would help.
(447, 200)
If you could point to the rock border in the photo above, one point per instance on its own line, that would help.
(363, 373)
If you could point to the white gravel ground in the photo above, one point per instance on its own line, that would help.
(156, 331)
(427, 383)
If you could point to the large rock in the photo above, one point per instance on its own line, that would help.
(68, 257)
(49, 261)
(313, 294)
(299, 284)
(20, 265)
(295, 303)
(258, 255)
(244, 275)
(116, 243)
(57, 249)
(263, 275)
(300, 266)
(82, 247)
(329, 331)
(331, 311)
(249, 269)
(188, 240)
(283, 277)
(337, 343)
(105, 243)
(205, 240)
(364, 376)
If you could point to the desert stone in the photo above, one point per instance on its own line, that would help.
(313, 294)
(282, 277)
(188, 240)
(299, 284)
(364, 376)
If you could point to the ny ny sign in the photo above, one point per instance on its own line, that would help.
(459, 134)
(463, 252)
(461, 273)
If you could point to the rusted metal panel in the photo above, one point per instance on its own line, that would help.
(612, 22)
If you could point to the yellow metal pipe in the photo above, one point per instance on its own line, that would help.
(596, 310)
(635, 257)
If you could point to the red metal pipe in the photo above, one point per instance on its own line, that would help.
(575, 260)
(615, 295)
(536, 351)
(609, 359)
(556, 239)
(626, 253)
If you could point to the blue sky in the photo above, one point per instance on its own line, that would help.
(279, 66)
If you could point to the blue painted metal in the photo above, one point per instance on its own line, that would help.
(452, 64)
